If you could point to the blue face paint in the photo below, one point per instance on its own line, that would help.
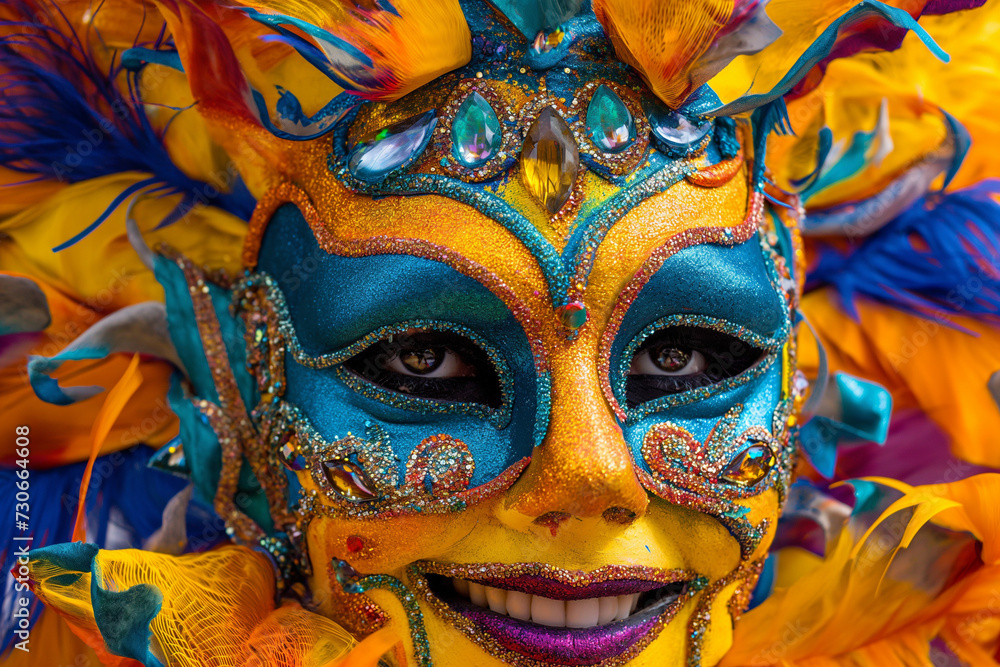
(335, 304)
(335, 301)
(729, 287)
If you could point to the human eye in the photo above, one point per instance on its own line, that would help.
(676, 359)
(432, 364)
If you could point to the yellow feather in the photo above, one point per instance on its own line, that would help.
(914, 85)
(873, 602)
(425, 40)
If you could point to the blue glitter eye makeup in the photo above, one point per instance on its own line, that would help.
(437, 365)
(676, 359)
(681, 359)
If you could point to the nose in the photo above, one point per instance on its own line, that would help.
(583, 468)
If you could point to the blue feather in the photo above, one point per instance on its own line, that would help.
(63, 117)
(939, 257)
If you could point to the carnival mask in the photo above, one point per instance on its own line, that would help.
(521, 354)
(508, 371)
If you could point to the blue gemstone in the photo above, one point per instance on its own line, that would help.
(347, 576)
(475, 132)
(394, 147)
(609, 121)
(673, 129)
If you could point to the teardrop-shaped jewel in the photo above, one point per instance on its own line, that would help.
(609, 121)
(672, 128)
(475, 132)
(348, 480)
(750, 466)
(549, 160)
(290, 454)
(380, 153)
(346, 575)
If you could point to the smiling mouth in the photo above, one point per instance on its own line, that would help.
(554, 616)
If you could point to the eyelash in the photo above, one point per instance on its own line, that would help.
(446, 395)
(681, 390)
(468, 389)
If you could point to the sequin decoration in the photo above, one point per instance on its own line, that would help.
(609, 122)
(550, 160)
(289, 453)
(436, 478)
(394, 147)
(353, 583)
(750, 466)
(747, 575)
(230, 418)
(440, 465)
(688, 472)
(475, 132)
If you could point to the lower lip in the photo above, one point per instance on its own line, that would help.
(565, 646)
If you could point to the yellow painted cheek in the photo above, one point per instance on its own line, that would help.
(763, 507)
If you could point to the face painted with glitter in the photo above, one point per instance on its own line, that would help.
(524, 438)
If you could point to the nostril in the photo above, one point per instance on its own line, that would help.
(551, 520)
(619, 515)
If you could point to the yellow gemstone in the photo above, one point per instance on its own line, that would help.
(750, 466)
(549, 160)
(348, 480)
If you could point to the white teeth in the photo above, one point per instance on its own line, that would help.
(625, 603)
(585, 613)
(477, 593)
(545, 611)
(519, 605)
(608, 610)
(497, 599)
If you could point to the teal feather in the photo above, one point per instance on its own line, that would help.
(534, 16)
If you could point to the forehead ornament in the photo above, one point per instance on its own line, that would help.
(475, 132)
(609, 121)
(550, 160)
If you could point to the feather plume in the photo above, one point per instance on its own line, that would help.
(662, 40)
(64, 118)
(378, 51)
(923, 261)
